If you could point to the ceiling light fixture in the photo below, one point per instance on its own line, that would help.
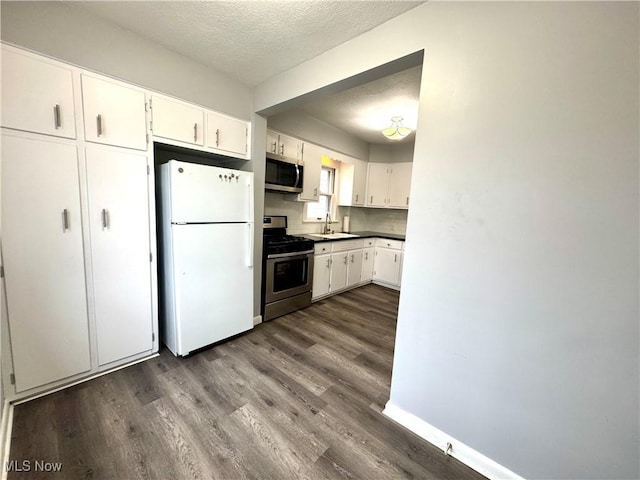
(396, 131)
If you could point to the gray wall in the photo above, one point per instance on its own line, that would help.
(70, 34)
(518, 323)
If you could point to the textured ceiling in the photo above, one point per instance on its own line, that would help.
(365, 110)
(249, 40)
(252, 41)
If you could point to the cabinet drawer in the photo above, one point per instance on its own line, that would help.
(393, 244)
(345, 245)
(369, 242)
(324, 247)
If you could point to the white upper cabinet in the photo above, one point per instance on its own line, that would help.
(189, 125)
(290, 147)
(176, 120)
(284, 145)
(388, 185)
(37, 95)
(272, 142)
(377, 185)
(114, 114)
(312, 159)
(353, 181)
(227, 134)
(399, 185)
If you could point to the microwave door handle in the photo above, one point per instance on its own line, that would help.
(297, 175)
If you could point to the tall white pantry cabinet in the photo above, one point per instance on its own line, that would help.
(78, 224)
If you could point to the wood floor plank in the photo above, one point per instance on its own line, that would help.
(298, 397)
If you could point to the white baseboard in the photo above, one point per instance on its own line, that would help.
(457, 449)
(5, 436)
(257, 320)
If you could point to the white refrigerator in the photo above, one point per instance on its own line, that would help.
(206, 245)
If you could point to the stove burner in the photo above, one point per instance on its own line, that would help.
(274, 244)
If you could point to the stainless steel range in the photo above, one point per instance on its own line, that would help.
(287, 269)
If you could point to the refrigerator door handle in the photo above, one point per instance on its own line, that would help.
(250, 245)
(250, 193)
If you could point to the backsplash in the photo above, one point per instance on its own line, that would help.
(383, 220)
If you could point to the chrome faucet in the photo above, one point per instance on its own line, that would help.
(327, 221)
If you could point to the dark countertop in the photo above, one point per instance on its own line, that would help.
(364, 234)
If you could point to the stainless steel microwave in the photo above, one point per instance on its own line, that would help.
(283, 174)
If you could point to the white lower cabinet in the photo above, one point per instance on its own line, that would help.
(339, 264)
(368, 254)
(43, 261)
(345, 264)
(120, 246)
(354, 271)
(388, 262)
(321, 275)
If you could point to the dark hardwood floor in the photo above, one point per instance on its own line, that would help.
(298, 397)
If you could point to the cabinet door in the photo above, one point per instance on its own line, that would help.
(44, 263)
(339, 265)
(399, 185)
(367, 264)
(387, 265)
(272, 142)
(119, 223)
(321, 275)
(113, 114)
(353, 180)
(37, 96)
(377, 185)
(228, 134)
(289, 147)
(177, 121)
(354, 273)
(312, 158)
(359, 182)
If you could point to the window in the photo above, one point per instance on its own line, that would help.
(315, 211)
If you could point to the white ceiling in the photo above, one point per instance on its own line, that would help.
(363, 111)
(252, 41)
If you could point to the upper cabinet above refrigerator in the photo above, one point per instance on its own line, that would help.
(183, 124)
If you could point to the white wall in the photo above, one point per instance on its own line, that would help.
(391, 153)
(518, 324)
(74, 36)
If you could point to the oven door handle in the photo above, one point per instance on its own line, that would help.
(290, 254)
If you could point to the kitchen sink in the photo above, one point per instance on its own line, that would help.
(332, 236)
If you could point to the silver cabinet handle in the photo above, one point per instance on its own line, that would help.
(357, 197)
(195, 132)
(99, 124)
(371, 201)
(217, 137)
(407, 200)
(328, 262)
(274, 147)
(315, 192)
(345, 259)
(366, 255)
(282, 149)
(65, 220)
(56, 116)
(105, 219)
(395, 260)
(352, 258)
